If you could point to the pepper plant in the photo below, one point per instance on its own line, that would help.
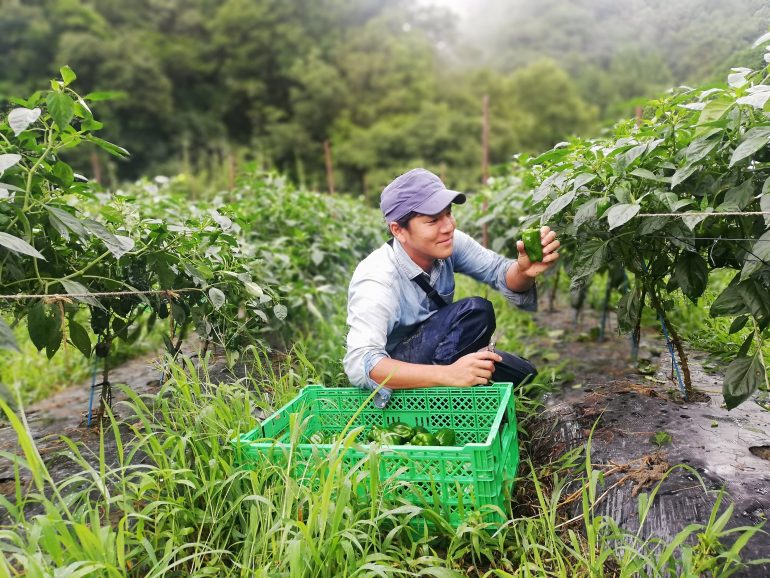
(73, 257)
(671, 198)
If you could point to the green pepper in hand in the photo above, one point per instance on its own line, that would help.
(533, 244)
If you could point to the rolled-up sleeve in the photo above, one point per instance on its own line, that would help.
(372, 305)
(484, 265)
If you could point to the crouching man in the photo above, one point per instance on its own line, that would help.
(404, 329)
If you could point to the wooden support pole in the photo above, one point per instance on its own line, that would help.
(329, 167)
(485, 162)
(96, 167)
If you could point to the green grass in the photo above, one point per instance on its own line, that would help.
(176, 504)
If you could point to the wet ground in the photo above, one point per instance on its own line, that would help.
(640, 430)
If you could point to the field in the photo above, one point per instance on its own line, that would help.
(154, 336)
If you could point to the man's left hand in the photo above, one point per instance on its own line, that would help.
(550, 246)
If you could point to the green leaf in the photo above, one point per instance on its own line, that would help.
(67, 75)
(217, 297)
(757, 99)
(715, 109)
(63, 173)
(692, 220)
(42, 323)
(754, 139)
(586, 212)
(553, 183)
(582, 180)
(7, 161)
(628, 310)
(54, 342)
(699, 148)
(7, 338)
(754, 295)
(647, 174)
(280, 312)
(61, 108)
(438, 572)
(67, 219)
(738, 198)
(588, 259)
(105, 95)
(80, 338)
(691, 274)
(20, 118)
(757, 257)
(19, 246)
(762, 39)
(113, 149)
(178, 313)
(728, 303)
(621, 214)
(738, 324)
(254, 289)
(742, 378)
(116, 244)
(169, 344)
(557, 205)
(627, 158)
(682, 174)
(82, 293)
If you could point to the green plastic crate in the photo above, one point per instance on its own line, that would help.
(478, 471)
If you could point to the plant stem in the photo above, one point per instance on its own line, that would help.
(676, 341)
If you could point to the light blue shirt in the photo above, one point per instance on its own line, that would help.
(385, 304)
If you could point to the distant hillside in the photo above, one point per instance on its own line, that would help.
(643, 45)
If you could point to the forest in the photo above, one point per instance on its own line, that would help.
(188, 189)
(206, 84)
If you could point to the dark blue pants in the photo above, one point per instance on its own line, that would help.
(458, 329)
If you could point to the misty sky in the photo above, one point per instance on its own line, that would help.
(461, 7)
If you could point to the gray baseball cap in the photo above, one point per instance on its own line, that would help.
(418, 190)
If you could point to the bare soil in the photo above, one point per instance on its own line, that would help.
(639, 427)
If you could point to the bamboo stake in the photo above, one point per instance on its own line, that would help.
(329, 167)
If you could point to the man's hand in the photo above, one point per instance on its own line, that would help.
(472, 369)
(550, 246)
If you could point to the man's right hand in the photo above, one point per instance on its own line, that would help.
(472, 369)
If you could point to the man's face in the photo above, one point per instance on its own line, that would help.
(428, 237)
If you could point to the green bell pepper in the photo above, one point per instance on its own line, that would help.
(445, 437)
(390, 438)
(405, 431)
(375, 434)
(532, 244)
(423, 439)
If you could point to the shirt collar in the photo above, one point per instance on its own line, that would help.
(411, 269)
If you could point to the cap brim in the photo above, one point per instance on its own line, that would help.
(439, 201)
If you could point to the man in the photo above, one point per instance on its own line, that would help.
(405, 332)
